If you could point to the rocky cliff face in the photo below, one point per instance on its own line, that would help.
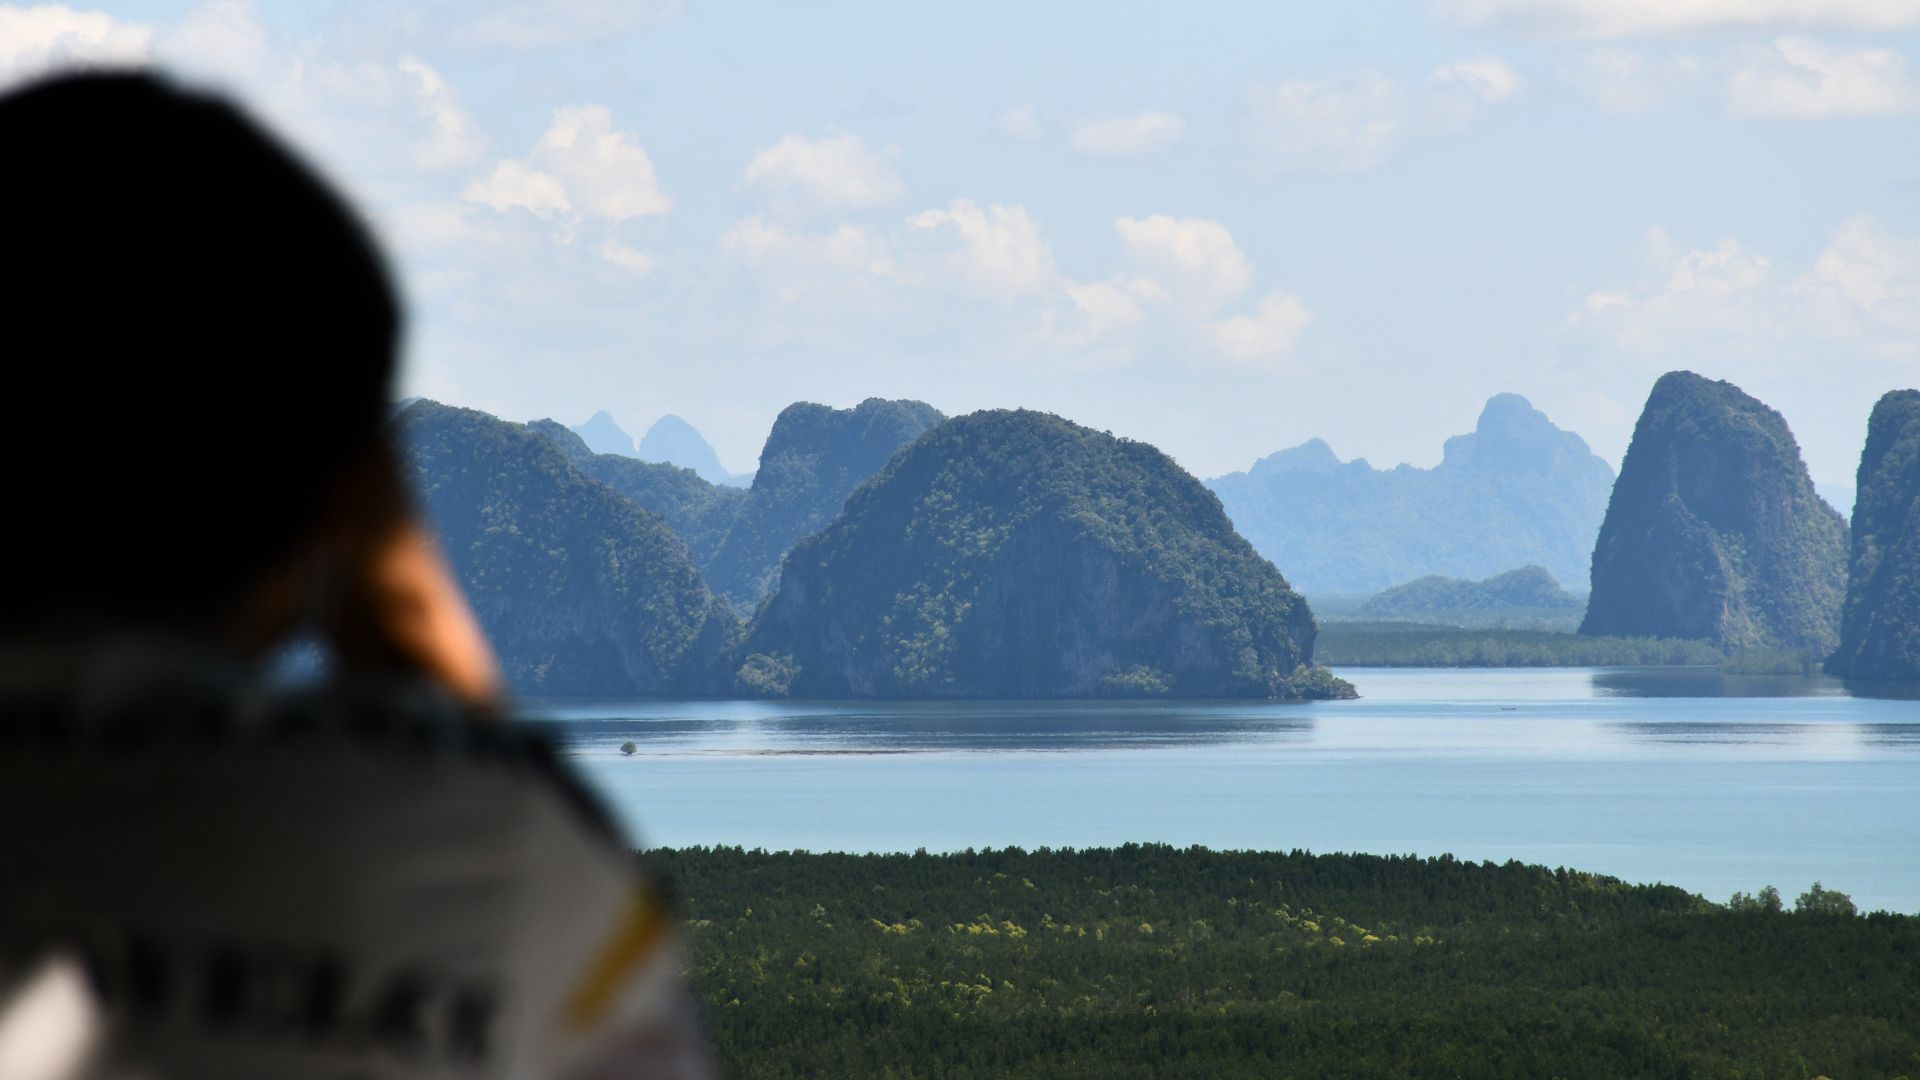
(581, 590)
(1516, 491)
(1880, 624)
(814, 458)
(1013, 554)
(1714, 530)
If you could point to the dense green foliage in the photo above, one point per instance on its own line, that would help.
(699, 511)
(814, 458)
(1880, 624)
(1148, 961)
(580, 589)
(1714, 530)
(1525, 598)
(1516, 491)
(1406, 644)
(1014, 554)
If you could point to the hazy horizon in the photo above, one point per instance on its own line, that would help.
(1223, 232)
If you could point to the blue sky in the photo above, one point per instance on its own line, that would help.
(1222, 228)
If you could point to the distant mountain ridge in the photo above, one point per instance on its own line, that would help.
(1714, 530)
(1530, 590)
(675, 442)
(1516, 491)
(670, 441)
(1015, 554)
(603, 435)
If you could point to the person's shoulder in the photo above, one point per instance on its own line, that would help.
(136, 702)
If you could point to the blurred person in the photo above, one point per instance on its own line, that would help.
(206, 871)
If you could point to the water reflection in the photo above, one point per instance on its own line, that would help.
(1558, 714)
(739, 727)
(1885, 691)
(1711, 683)
(1824, 740)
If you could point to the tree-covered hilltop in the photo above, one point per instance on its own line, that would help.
(1014, 555)
(1714, 530)
(814, 458)
(1152, 962)
(701, 512)
(581, 590)
(1529, 593)
(1880, 624)
(1516, 491)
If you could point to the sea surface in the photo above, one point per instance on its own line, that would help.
(1714, 783)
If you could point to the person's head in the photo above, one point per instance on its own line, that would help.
(199, 338)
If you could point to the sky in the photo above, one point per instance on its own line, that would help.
(1220, 228)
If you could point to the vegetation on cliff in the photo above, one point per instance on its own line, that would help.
(1880, 624)
(1014, 554)
(1714, 530)
(581, 590)
(700, 511)
(813, 459)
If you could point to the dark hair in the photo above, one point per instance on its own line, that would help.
(199, 337)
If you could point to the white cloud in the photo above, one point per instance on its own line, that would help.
(1598, 302)
(580, 165)
(1860, 298)
(1182, 281)
(997, 250)
(1342, 125)
(605, 171)
(39, 39)
(453, 137)
(1355, 122)
(797, 262)
(1802, 79)
(1488, 78)
(994, 252)
(1621, 80)
(225, 40)
(628, 258)
(1195, 260)
(1021, 122)
(1186, 273)
(515, 184)
(1621, 18)
(1130, 135)
(837, 171)
(535, 24)
(1105, 307)
(1266, 336)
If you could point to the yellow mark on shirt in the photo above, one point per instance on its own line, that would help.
(638, 937)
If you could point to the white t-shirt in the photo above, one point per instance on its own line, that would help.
(205, 877)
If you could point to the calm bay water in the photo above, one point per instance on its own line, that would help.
(1682, 776)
